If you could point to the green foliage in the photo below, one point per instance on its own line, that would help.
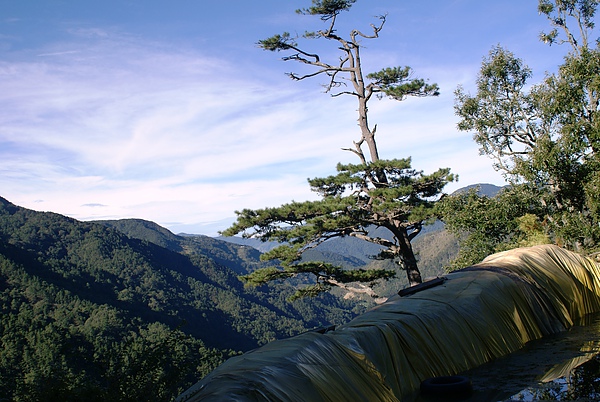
(486, 225)
(533, 230)
(496, 114)
(57, 345)
(264, 275)
(277, 42)
(352, 202)
(559, 12)
(327, 9)
(396, 83)
(310, 291)
(435, 247)
(546, 135)
(91, 313)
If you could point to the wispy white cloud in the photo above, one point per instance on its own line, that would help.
(107, 125)
(172, 136)
(65, 52)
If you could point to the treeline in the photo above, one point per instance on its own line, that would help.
(89, 312)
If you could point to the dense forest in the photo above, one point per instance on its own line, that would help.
(126, 310)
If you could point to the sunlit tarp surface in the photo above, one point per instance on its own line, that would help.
(477, 314)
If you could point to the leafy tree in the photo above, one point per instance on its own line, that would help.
(373, 193)
(486, 225)
(545, 138)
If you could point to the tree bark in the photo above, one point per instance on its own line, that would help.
(406, 256)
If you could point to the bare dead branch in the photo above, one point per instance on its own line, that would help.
(376, 30)
(417, 227)
(357, 288)
(375, 240)
(358, 150)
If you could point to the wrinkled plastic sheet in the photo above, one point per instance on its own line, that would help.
(476, 315)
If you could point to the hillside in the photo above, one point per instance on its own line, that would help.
(489, 190)
(126, 310)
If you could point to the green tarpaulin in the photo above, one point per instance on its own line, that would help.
(476, 314)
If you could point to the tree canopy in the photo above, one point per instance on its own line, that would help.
(545, 138)
(384, 193)
(127, 311)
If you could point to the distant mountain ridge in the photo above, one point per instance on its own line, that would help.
(489, 190)
(87, 308)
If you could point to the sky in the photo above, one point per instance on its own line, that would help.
(168, 111)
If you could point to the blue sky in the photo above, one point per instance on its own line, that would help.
(167, 110)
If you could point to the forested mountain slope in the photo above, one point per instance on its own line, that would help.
(239, 258)
(89, 312)
(127, 310)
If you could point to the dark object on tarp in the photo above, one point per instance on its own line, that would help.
(421, 286)
(451, 387)
(480, 313)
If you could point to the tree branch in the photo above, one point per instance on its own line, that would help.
(376, 30)
(359, 288)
